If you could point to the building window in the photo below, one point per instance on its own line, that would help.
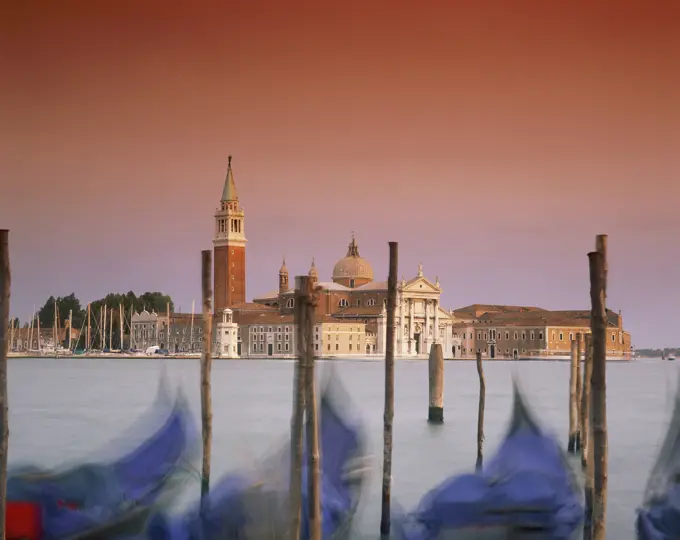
(350, 346)
(507, 335)
(286, 346)
(278, 346)
(561, 336)
(343, 302)
(524, 336)
(479, 335)
(337, 346)
(532, 336)
(571, 336)
(358, 302)
(290, 303)
(351, 283)
(370, 302)
(613, 338)
(515, 335)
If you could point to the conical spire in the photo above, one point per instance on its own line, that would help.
(229, 190)
(283, 269)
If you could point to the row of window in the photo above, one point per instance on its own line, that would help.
(343, 303)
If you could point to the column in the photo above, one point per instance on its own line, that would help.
(411, 327)
(399, 334)
(436, 322)
(426, 328)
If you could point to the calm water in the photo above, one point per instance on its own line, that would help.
(67, 409)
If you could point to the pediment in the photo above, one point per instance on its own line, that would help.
(421, 285)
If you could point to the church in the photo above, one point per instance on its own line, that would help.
(351, 307)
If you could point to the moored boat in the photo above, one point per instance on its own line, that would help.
(659, 516)
(253, 505)
(527, 490)
(101, 501)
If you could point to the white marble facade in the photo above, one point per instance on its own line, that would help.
(419, 319)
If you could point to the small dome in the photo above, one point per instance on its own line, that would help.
(353, 267)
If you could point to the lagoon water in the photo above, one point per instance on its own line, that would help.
(68, 409)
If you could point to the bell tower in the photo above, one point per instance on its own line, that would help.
(229, 257)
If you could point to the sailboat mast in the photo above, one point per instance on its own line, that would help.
(11, 333)
(132, 311)
(191, 332)
(120, 315)
(111, 330)
(104, 327)
(30, 332)
(38, 321)
(167, 310)
(70, 328)
(87, 345)
(54, 330)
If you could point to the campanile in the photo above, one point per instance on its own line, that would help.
(229, 257)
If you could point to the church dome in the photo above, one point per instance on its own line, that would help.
(352, 270)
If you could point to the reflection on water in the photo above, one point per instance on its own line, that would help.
(62, 410)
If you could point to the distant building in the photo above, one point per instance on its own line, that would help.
(529, 332)
(352, 295)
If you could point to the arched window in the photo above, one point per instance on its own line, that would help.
(371, 302)
(290, 303)
(343, 302)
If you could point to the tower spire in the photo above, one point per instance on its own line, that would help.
(229, 191)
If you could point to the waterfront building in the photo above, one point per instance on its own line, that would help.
(227, 335)
(353, 295)
(530, 332)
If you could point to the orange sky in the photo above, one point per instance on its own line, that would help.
(492, 139)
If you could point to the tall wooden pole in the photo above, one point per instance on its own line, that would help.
(206, 364)
(388, 419)
(105, 310)
(5, 285)
(297, 420)
(111, 330)
(308, 301)
(587, 445)
(573, 409)
(435, 411)
(579, 390)
(480, 413)
(598, 323)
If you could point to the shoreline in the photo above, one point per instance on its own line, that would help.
(179, 356)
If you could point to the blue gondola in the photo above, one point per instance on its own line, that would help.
(527, 490)
(659, 516)
(103, 501)
(254, 505)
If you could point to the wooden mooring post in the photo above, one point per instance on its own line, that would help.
(5, 286)
(206, 366)
(388, 419)
(586, 444)
(435, 411)
(480, 413)
(573, 398)
(307, 301)
(598, 324)
(297, 420)
(579, 390)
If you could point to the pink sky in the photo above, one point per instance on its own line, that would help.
(493, 142)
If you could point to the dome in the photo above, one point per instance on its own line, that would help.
(352, 270)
